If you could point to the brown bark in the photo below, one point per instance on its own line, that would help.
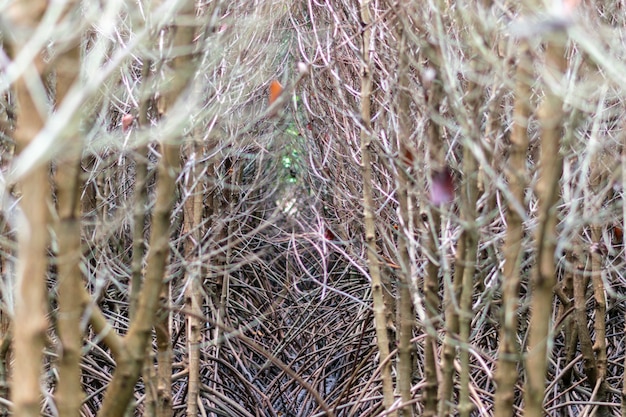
(452, 295)
(598, 177)
(141, 194)
(468, 210)
(508, 352)
(32, 295)
(580, 316)
(468, 201)
(380, 312)
(432, 300)
(164, 355)
(69, 395)
(193, 275)
(565, 294)
(550, 116)
(406, 313)
(140, 214)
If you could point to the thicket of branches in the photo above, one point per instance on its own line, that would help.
(312, 208)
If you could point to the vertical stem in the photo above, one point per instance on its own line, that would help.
(565, 292)
(451, 303)
(598, 177)
(431, 291)
(140, 213)
(508, 352)
(162, 329)
(431, 279)
(406, 316)
(31, 300)
(141, 194)
(69, 395)
(469, 198)
(191, 230)
(550, 115)
(468, 210)
(580, 316)
(380, 321)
